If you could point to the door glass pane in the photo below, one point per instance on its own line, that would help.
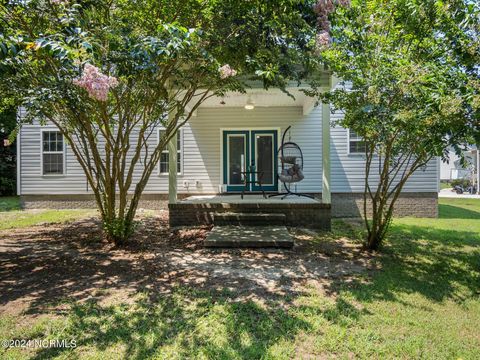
(264, 148)
(236, 159)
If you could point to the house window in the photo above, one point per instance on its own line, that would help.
(164, 156)
(356, 144)
(52, 153)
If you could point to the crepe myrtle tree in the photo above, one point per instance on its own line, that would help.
(109, 73)
(410, 88)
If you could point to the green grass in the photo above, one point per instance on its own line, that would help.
(22, 219)
(12, 217)
(444, 185)
(423, 302)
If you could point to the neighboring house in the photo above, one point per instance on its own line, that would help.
(454, 168)
(222, 138)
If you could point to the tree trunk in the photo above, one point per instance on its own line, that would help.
(386, 195)
(376, 233)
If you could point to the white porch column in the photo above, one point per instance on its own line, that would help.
(326, 190)
(326, 160)
(172, 170)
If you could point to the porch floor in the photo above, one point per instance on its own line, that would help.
(247, 199)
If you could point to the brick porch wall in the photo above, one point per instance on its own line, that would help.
(408, 204)
(309, 215)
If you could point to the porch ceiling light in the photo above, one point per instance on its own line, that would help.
(250, 105)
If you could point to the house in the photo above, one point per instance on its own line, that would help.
(454, 168)
(222, 138)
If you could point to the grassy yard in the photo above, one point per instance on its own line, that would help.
(420, 300)
(12, 217)
(444, 185)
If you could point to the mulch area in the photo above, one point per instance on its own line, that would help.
(45, 265)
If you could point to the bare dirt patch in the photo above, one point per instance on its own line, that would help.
(45, 266)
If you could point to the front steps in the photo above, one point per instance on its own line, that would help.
(201, 210)
(249, 230)
(249, 219)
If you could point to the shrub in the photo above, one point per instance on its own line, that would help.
(461, 182)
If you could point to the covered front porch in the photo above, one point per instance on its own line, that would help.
(236, 133)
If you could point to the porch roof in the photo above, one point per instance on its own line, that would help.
(264, 98)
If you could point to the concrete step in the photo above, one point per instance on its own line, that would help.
(249, 219)
(231, 236)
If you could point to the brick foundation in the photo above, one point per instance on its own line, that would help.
(148, 201)
(343, 205)
(408, 204)
(309, 215)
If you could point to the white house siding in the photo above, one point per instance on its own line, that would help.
(204, 150)
(202, 147)
(202, 155)
(31, 179)
(348, 174)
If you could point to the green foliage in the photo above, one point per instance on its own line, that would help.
(9, 203)
(155, 63)
(411, 70)
(461, 182)
(118, 230)
(8, 174)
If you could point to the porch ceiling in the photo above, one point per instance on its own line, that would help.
(263, 98)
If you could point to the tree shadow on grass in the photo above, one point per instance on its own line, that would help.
(457, 212)
(168, 299)
(435, 263)
(187, 323)
(162, 319)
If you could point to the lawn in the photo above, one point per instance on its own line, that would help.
(419, 298)
(12, 217)
(445, 185)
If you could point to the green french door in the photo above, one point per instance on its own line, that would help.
(247, 150)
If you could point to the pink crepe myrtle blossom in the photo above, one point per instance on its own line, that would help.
(324, 23)
(95, 83)
(323, 39)
(323, 8)
(226, 71)
(344, 3)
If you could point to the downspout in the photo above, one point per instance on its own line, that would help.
(19, 155)
(172, 165)
(478, 171)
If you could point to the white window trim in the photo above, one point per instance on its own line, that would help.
(64, 153)
(180, 152)
(349, 140)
